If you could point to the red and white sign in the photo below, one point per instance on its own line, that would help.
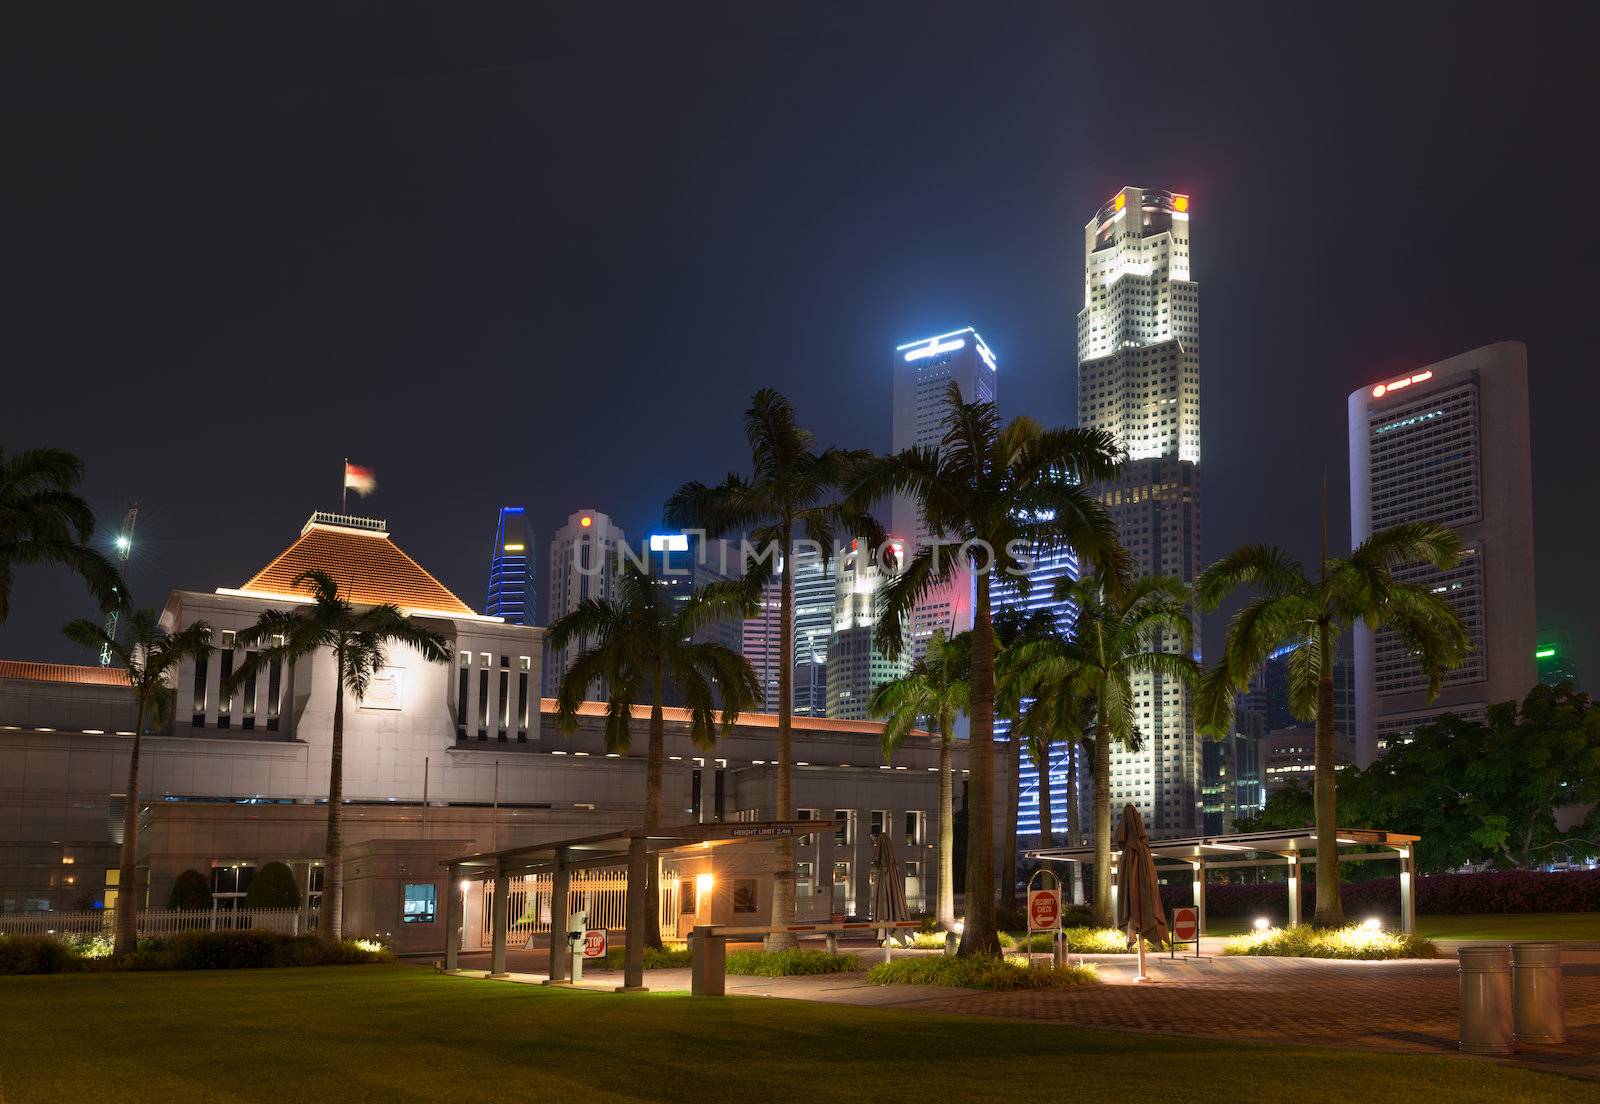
(594, 943)
(1044, 909)
(1185, 924)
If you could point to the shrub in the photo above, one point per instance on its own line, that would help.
(928, 924)
(979, 972)
(249, 950)
(273, 887)
(791, 963)
(1492, 891)
(1352, 941)
(35, 954)
(668, 958)
(1087, 941)
(190, 891)
(929, 941)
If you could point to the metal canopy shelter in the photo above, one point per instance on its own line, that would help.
(632, 848)
(1285, 848)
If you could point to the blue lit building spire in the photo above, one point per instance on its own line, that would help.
(511, 569)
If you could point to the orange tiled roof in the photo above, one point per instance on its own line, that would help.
(548, 707)
(368, 567)
(62, 672)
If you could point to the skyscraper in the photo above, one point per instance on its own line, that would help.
(1448, 443)
(1554, 660)
(682, 563)
(511, 593)
(923, 372)
(856, 667)
(1139, 379)
(583, 564)
(813, 626)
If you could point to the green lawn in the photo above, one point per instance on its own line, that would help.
(401, 1033)
(1508, 926)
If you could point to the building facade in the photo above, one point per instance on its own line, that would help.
(815, 578)
(856, 665)
(923, 373)
(1448, 443)
(511, 589)
(585, 562)
(1139, 379)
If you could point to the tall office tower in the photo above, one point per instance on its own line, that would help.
(511, 593)
(856, 667)
(682, 563)
(813, 626)
(1268, 698)
(1554, 660)
(1448, 443)
(1047, 569)
(583, 564)
(923, 372)
(1139, 379)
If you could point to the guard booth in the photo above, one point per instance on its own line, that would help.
(685, 848)
(1294, 850)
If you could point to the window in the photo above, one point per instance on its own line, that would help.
(505, 696)
(225, 700)
(880, 817)
(844, 831)
(419, 903)
(274, 690)
(249, 704)
(463, 687)
(807, 814)
(199, 718)
(916, 827)
(744, 895)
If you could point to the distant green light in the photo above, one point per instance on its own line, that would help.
(1544, 653)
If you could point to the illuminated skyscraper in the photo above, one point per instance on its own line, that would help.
(511, 593)
(856, 667)
(923, 372)
(1139, 378)
(1448, 443)
(813, 626)
(584, 556)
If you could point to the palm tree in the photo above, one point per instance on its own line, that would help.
(1310, 614)
(359, 640)
(1054, 715)
(151, 656)
(1116, 634)
(988, 493)
(788, 494)
(42, 520)
(1013, 626)
(935, 690)
(642, 641)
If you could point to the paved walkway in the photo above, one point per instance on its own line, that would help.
(1406, 1006)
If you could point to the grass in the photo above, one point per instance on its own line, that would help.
(792, 963)
(979, 972)
(1352, 941)
(1486, 928)
(403, 1034)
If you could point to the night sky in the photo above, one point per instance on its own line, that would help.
(545, 256)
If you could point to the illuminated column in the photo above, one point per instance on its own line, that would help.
(452, 921)
(1200, 894)
(560, 886)
(1294, 888)
(498, 921)
(1408, 889)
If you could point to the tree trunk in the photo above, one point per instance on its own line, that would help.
(1330, 909)
(947, 826)
(127, 918)
(1008, 857)
(330, 913)
(1074, 829)
(652, 816)
(1047, 830)
(978, 937)
(1105, 915)
(783, 872)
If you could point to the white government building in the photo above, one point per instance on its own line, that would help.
(440, 760)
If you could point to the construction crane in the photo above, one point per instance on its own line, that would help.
(123, 545)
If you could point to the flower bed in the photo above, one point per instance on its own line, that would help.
(979, 972)
(1353, 941)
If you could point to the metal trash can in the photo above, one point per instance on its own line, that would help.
(1538, 1004)
(1485, 1000)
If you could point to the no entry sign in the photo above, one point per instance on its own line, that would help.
(594, 943)
(1044, 909)
(1185, 924)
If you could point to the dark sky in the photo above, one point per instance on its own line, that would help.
(545, 255)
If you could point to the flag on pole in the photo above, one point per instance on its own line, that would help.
(359, 479)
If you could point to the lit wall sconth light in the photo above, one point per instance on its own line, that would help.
(703, 883)
(466, 885)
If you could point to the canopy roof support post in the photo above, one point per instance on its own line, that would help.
(560, 886)
(1408, 889)
(499, 921)
(1293, 860)
(633, 957)
(1200, 896)
(452, 921)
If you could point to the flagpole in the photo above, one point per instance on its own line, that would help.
(344, 484)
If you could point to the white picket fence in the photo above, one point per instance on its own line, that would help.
(602, 894)
(155, 922)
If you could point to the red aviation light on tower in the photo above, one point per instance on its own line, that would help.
(1381, 389)
(1180, 203)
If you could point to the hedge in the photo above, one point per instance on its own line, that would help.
(1437, 895)
(233, 950)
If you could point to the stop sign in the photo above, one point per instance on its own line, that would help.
(594, 943)
(1044, 909)
(1185, 924)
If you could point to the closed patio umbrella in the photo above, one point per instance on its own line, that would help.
(1139, 911)
(888, 889)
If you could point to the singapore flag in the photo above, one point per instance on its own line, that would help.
(359, 479)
